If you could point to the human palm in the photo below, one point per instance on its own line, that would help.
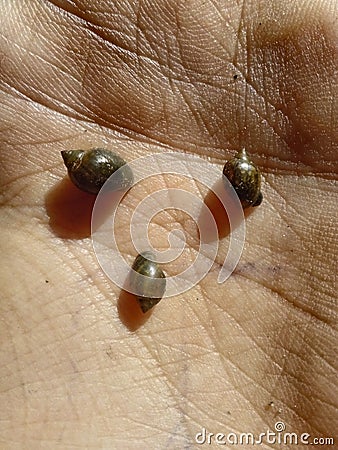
(81, 367)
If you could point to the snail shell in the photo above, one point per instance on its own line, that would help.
(89, 170)
(245, 178)
(147, 279)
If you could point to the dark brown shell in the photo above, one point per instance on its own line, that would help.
(151, 286)
(89, 170)
(245, 178)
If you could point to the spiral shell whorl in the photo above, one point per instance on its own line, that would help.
(152, 293)
(245, 178)
(89, 170)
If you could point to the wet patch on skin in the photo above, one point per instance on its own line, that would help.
(130, 312)
(69, 210)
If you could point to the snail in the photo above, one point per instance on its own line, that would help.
(89, 170)
(147, 281)
(245, 178)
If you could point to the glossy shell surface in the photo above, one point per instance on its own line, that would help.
(90, 169)
(150, 286)
(245, 178)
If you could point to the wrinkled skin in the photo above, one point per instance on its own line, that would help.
(200, 77)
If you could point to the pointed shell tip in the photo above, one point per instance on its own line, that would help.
(70, 157)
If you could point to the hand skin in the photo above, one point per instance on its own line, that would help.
(200, 77)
